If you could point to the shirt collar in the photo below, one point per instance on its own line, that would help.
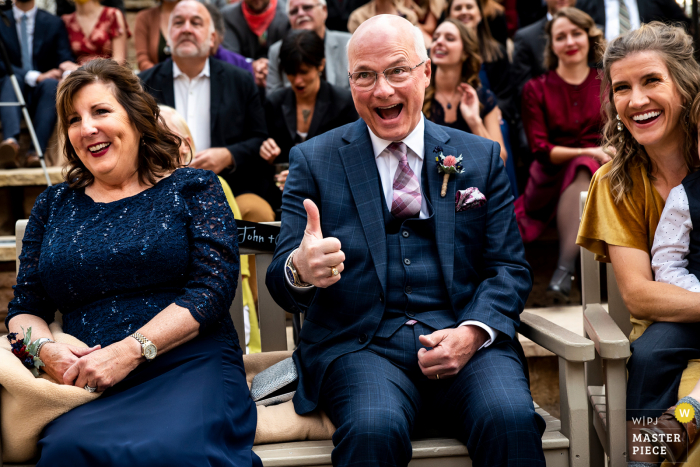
(415, 141)
(177, 72)
(18, 13)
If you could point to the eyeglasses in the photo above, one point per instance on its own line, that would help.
(395, 76)
(304, 8)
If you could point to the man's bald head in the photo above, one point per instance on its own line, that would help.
(391, 25)
(392, 110)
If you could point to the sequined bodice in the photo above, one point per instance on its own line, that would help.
(111, 267)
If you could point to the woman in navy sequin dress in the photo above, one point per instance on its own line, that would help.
(130, 244)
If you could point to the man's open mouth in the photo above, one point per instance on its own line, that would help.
(389, 112)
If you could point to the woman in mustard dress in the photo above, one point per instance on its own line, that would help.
(652, 80)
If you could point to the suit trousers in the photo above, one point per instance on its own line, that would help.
(41, 103)
(658, 359)
(378, 399)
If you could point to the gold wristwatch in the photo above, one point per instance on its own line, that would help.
(148, 348)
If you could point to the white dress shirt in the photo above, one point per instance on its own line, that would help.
(31, 75)
(612, 17)
(672, 243)
(193, 102)
(386, 166)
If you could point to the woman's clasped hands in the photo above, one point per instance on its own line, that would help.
(95, 367)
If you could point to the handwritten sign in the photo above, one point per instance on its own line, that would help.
(258, 236)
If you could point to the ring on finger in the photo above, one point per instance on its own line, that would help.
(334, 271)
(437, 376)
(88, 388)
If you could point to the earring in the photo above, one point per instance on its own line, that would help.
(619, 123)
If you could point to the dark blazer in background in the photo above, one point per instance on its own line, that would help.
(339, 12)
(50, 48)
(480, 252)
(240, 39)
(237, 117)
(528, 54)
(649, 10)
(334, 108)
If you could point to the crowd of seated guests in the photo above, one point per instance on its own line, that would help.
(244, 126)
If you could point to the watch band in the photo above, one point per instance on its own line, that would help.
(143, 340)
(293, 275)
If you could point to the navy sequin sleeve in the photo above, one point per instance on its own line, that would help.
(111, 267)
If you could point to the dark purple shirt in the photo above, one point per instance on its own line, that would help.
(233, 58)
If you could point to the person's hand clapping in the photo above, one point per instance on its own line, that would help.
(54, 73)
(281, 178)
(317, 256)
(214, 159)
(469, 104)
(106, 367)
(260, 67)
(269, 150)
(59, 357)
(598, 154)
(451, 350)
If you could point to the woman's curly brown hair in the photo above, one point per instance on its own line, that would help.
(580, 19)
(675, 47)
(159, 147)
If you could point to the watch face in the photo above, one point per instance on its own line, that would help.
(150, 352)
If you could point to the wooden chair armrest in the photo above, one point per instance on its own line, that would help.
(562, 342)
(610, 342)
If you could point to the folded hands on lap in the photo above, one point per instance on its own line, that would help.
(451, 350)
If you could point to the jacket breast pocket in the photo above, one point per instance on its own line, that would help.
(313, 332)
(471, 215)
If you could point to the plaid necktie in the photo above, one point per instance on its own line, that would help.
(407, 197)
(625, 23)
(26, 53)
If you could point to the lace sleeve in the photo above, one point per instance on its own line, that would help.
(30, 297)
(213, 257)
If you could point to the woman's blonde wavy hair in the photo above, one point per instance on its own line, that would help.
(675, 47)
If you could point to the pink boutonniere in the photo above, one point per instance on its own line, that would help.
(448, 165)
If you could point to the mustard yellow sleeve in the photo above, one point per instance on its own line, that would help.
(606, 223)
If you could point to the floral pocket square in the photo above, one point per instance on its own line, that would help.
(471, 198)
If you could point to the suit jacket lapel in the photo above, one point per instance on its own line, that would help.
(11, 38)
(216, 80)
(289, 111)
(444, 208)
(320, 108)
(361, 170)
(38, 38)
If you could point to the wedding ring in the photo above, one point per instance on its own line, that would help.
(334, 271)
(437, 376)
(89, 389)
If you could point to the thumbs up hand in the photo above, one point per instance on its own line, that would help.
(317, 256)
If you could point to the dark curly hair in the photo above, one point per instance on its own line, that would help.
(159, 148)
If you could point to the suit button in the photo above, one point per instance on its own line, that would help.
(363, 338)
(381, 297)
(411, 314)
(406, 261)
(405, 234)
(408, 289)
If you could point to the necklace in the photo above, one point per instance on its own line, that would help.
(449, 101)
(305, 113)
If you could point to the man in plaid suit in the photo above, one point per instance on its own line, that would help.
(411, 297)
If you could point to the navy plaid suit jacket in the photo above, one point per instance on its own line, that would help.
(481, 252)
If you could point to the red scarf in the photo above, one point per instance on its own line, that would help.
(259, 22)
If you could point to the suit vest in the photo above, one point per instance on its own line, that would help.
(691, 183)
(415, 285)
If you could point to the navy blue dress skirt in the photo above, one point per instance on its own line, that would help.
(189, 407)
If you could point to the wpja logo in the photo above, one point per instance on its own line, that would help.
(653, 436)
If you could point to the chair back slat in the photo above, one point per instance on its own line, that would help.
(616, 306)
(20, 227)
(590, 269)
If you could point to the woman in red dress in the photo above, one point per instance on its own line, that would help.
(562, 120)
(96, 31)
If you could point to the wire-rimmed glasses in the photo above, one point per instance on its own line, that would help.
(395, 76)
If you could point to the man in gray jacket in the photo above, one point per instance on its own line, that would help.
(311, 15)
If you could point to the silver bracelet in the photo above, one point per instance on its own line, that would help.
(42, 341)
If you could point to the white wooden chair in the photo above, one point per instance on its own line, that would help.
(606, 376)
(565, 441)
